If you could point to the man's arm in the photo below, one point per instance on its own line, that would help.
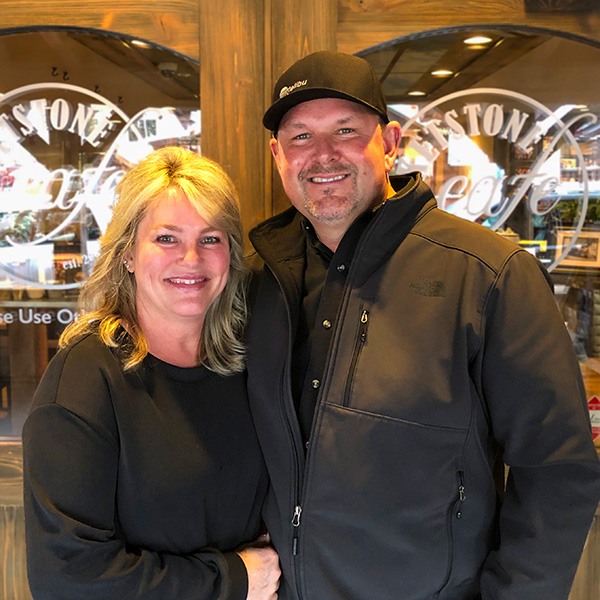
(536, 399)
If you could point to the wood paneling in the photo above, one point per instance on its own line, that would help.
(232, 97)
(13, 570)
(366, 23)
(170, 23)
(299, 28)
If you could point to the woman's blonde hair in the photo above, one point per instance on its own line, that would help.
(108, 297)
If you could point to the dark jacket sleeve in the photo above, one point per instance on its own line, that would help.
(74, 547)
(533, 390)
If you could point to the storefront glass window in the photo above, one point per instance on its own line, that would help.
(78, 109)
(504, 125)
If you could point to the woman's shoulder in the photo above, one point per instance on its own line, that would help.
(83, 353)
(78, 378)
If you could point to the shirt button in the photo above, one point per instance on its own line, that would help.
(316, 383)
(341, 267)
(327, 324)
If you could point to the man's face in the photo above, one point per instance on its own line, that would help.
(333, 158)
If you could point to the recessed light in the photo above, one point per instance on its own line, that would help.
(441, 73)
(478, 39)
(416, 93)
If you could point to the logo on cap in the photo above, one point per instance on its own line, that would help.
(286, 90)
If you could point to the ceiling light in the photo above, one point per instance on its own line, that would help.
(416, 93)
(441, 73)
(478, 39)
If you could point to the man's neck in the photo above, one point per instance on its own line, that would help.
(329, 235)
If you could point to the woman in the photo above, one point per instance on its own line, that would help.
(142, 471)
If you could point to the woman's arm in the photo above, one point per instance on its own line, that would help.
(75, 548)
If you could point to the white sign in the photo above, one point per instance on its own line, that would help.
(442, 133)
(38, 202)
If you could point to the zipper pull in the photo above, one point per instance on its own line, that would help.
(364, 318)
(296, 517)
(296, 524)
(461, 494)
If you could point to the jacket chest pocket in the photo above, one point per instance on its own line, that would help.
(360, 340)
(391, 365)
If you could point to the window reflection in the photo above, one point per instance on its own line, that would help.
(507, 134)
(77, 110)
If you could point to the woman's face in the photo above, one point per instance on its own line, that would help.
(180, 262)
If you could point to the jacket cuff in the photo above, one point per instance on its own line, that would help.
(238, 576)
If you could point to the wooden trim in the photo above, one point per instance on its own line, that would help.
(169, 23)
(366, 23)
(559, 5)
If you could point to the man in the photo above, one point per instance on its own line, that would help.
(397, 356)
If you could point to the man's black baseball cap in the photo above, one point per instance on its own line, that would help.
(326, 75)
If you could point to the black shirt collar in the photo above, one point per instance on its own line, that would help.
(349, 241)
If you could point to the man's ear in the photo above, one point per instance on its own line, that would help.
(391, 141)
(275, 151)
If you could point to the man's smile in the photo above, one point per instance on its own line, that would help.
(327, 178)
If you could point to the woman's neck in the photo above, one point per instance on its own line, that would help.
(173, 341)
(181, 352)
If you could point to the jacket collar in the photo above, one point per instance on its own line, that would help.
(280, 239)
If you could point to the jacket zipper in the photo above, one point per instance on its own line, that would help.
(461, 493)
(296, 524)
(297, 509)
(361, 338)
(454, 512)
(296, 453)
(297, 514)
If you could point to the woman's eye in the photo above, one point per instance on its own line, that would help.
(302, 136)
(346, 130)
(210, 239)
(165, 239)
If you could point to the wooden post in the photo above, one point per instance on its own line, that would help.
(232, 63)
(244, 47)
